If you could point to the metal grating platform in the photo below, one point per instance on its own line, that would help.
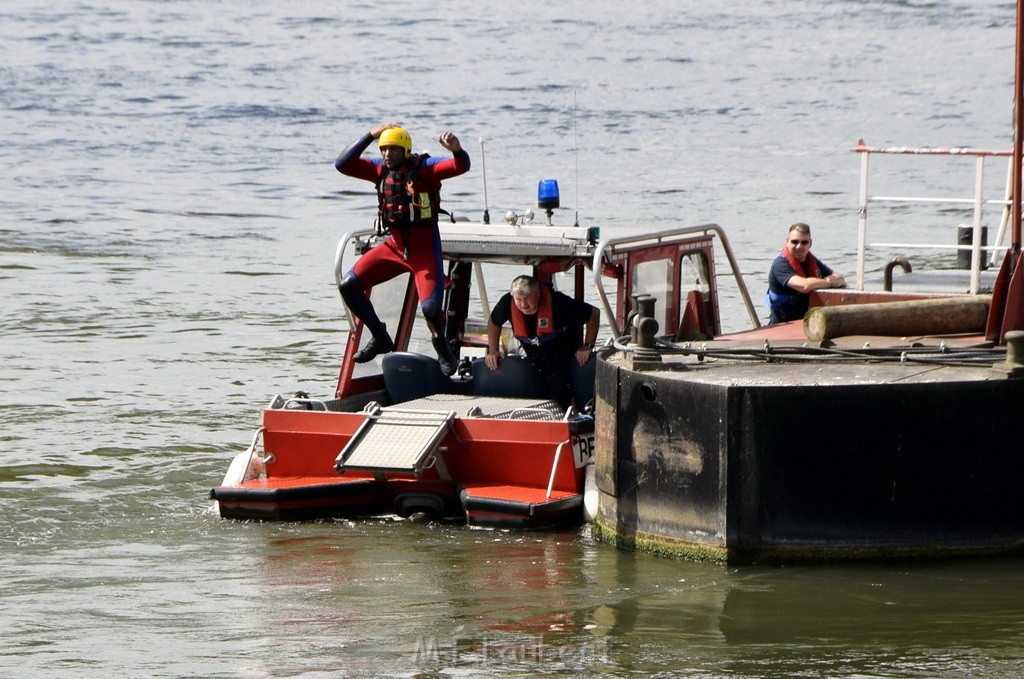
(497, 407)
(395, 441)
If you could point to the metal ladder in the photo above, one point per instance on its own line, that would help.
(396, 440)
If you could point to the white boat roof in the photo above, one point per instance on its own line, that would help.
(503, 242)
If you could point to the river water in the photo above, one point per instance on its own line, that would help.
(170, 212)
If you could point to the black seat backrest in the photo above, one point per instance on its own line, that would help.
(409, 376)
(515, 377)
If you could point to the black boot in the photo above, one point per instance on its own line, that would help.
(445, 357)
(380, 343)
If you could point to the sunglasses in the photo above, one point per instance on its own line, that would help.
(799, 242)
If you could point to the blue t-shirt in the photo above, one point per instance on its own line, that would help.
(785, 303)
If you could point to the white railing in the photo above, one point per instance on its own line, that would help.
(978, 201)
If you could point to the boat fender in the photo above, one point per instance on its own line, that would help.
(590, 494)
(245, 467)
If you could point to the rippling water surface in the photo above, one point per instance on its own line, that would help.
(169, 217)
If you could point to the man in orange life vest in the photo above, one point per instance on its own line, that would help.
(794, 274)
(408, 199)
(546, 323)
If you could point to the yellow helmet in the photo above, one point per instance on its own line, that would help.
(395, 136)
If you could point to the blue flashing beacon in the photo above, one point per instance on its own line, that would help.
(547, 196)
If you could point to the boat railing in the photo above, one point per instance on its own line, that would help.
(978, 201)
(662, 238)
(554, 467)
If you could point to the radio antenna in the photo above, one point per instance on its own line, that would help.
(483, 170)
(576, 156)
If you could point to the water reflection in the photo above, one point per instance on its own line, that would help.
(391, 595)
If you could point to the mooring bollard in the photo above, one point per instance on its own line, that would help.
(1014, 365)
(643, 329)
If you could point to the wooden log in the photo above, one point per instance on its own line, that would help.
(946, 316)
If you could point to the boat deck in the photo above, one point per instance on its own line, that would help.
(497, 407)
(792, 334)
(791, 372)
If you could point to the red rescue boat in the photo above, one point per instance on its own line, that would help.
(398, 437)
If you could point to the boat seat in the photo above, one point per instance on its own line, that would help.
(408, 376)
(515, 377)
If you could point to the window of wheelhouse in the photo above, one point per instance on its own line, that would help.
(654, 277)
(694, 274)
(695, 280)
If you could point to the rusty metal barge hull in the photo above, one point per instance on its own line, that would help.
(750, 462)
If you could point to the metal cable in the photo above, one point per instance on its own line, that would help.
(940, 355)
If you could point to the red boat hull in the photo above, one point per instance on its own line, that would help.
(490, 472)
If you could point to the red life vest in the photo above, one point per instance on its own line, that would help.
(809, 268)
(403, 198)
(546, 329)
